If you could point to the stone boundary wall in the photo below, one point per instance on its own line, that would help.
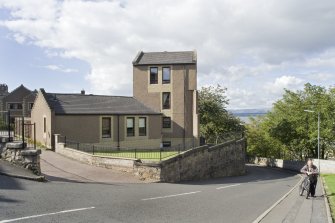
(17, 154)
(227, 159)
(326, 166)
(122, 164)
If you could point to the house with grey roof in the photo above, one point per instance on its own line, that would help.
(162, 112)
(19, 101)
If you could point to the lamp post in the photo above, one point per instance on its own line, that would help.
(311, 111)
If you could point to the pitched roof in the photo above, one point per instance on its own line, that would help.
(157, 58)
(63, 104)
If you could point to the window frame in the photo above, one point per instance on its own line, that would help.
(150, 75)
(133, 132)
(30, 105)
(106, 136)
(166, 144)
(163, 80)
(19, 106)
(163, 103)
(163, 122)
(140, 133)
(44, 124)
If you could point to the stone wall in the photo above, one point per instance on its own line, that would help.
(326, 166)
(122, 164)
(227, 159)
(18, 154)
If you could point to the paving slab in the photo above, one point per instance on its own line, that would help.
(296, 208)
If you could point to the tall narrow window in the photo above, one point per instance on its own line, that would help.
(19, 106)
(44, 124)
(166, 122)
(166, 98)
(166, 75)
(31, 105)
(153, 75)
(142, 126)
(11, 106)
(106, 127)
(130, 127)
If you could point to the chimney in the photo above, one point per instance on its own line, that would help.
(82, 92)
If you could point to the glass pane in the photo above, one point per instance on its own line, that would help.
(166, 75)
(130, 122)
(154, 75)
(141, 123)
(166, 100)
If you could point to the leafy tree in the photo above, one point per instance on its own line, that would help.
(295, 129)
(215, 120)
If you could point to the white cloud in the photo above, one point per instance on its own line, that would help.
(60, 68)
(238, 42)
(284, 82)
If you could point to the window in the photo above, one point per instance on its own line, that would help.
(142, 126)
(166, 122)
(19, 106)
(44, 124)
(106, 127)
(166, 100)
(30, 106)
(166, 75)
(153, 75)
(11, 106)
(130, 127)
(166, 144)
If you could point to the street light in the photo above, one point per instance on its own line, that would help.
(311, 111)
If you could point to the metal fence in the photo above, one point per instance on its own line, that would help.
(25, 131)
(135, 153)
(6, 128)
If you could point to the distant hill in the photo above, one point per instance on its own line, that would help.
(249, 112)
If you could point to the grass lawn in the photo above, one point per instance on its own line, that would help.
(330, 190)
(145, 155)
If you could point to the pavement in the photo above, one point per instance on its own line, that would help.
(77, 192)
(56, 167)
(296, 208)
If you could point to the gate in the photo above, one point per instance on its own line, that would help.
(6, 127)
(25, 131)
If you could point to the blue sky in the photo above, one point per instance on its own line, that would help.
(254, 49)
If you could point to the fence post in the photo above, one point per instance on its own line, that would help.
(135, 153)
(160, 154)
(34, 135)
(93, 149)
(179, 149)
(8, 125)
(23, 131)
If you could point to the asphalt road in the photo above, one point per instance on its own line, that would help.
(231, 199)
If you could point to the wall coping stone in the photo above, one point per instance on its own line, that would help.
(16, 145)
(31, 152)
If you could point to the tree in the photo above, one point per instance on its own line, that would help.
(215, 120)
(295, 129)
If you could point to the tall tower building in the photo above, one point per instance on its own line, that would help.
(167, 83)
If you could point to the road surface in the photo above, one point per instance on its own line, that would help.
(230, 199)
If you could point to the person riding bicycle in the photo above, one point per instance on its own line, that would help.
(311, 172)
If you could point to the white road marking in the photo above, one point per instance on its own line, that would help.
(234, 185)
(168, 196)
(47, 214)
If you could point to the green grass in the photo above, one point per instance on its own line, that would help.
(147, 155)
(330, 190)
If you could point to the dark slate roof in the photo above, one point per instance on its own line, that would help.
(157, 58)
(63, 104)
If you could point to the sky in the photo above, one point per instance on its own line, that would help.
(255, 49)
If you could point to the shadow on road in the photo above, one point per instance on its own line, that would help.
(254, 174)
